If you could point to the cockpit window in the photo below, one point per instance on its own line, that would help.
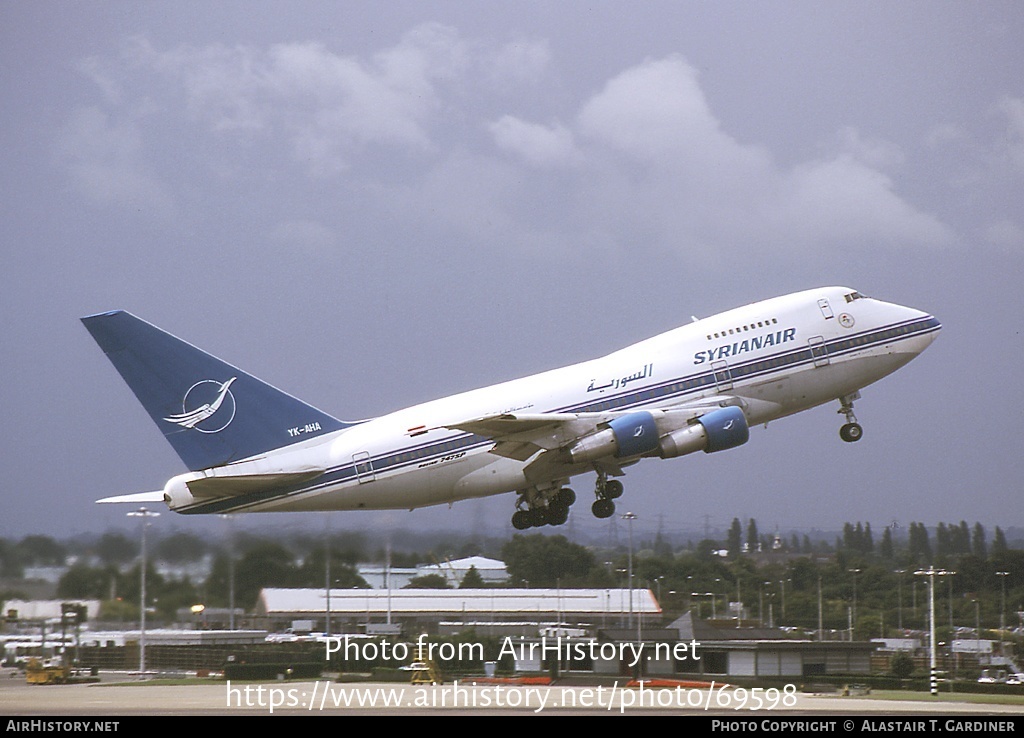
(855, 296)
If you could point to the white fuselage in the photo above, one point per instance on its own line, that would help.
(775, 358)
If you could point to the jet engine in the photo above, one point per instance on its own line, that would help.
(629, 435)
(714, 431)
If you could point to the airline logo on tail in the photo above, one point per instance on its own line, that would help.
(216, 393)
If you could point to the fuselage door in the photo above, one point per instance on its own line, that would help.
(826, 309)
(723, 377)
(364, 467)
(819, 351)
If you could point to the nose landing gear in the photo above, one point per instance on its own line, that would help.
(851, 430)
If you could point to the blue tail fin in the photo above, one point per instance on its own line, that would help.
(211, 412)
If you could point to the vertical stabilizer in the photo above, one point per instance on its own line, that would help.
(211, 412)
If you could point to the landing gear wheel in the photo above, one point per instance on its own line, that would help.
(603, 508)
(565, 497)
(539, 517)
(613, 489)
(557, 514)
(851, 432)
(521, 520)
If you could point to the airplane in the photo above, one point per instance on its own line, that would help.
(250, 447)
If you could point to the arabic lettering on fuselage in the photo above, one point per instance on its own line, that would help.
(747, 344)
(648, 371)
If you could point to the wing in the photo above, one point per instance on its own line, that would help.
(547, 437)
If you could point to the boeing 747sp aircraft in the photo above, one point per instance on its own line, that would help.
(253, 448)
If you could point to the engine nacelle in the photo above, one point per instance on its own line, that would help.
(630, 435)
(714, 431)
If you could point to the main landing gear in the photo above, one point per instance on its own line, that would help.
(539, 511)
(606, 491)
(851, 430)
(536, 508)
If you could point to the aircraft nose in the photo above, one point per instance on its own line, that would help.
(926, 328)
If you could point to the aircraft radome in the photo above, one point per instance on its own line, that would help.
(251, 447)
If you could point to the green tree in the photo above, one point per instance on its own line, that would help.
(265, 564)
(179, 548)
(86, 582)
(752, 540)
(41, 551)
(919, 547)
(901, 665)
(428, 581)
(885, 548)
(116, 548)
(734, 542)
(544, 560)
(961, 538)
(943, 541)
(999, 546)
(978, 546)
(10, 561)
(344, 574)
(472, 580)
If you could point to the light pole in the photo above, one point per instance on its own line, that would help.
(950, 582)
(629, 518)
(931, 573)
(782, 615)
(705, 594)
(899, 594)
(853, 611)
(231, 571)
(1002, 606)
(327, 576)
(821, 629)
(977, 629)
(144, 514)
(760, 605)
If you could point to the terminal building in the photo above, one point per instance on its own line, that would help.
(423, 610)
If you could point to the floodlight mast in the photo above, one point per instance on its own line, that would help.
(931, 572)
(145, 515)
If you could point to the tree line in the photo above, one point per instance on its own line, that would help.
(774, 578)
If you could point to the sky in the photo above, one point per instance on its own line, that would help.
(371, 205)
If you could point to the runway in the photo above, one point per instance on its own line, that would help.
(325, 697)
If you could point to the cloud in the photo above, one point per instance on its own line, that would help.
(537, 144)
(843, 199)
(644, 163)
(661, 168)
(1005, 234)
(327, 105)
(304, 234)
(1013, 108)
(523, 61)
(104, 158)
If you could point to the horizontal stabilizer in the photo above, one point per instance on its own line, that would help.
(138, 497)
(229, 486)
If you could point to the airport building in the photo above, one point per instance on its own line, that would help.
(422, 610)
(491, 571)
